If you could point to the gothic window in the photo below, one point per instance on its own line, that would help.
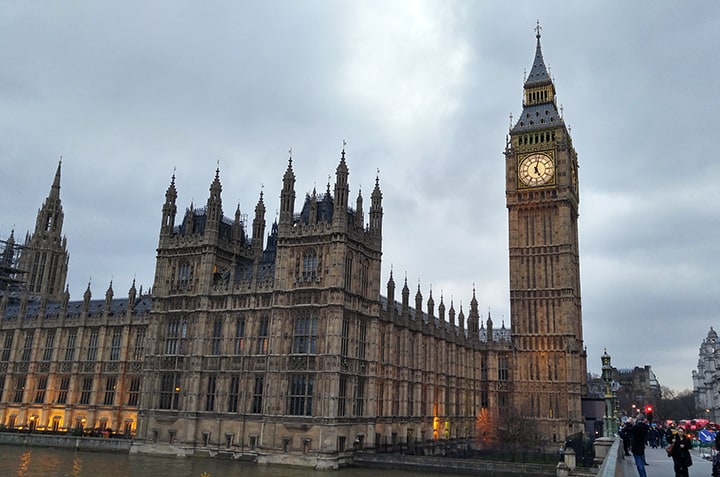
(3, 379)
(410, 400)
(483, 367)
(342, 395)
(258, 394)
(27, 349)
(305, 334)
(503, 403)
(134, 392)
(7, 346)
(64, 388)
(382, 347)
(396, 398)
(216, 337)
(211, 391)
(49, 343)
(240, 335)
(19, 388)
(364, 283)
(70, 348)
(484, 399)
(262, 342)
(447, 400)
(398, 361)
(183, 337)
(359, 401)
(310, 265)
(139, 352)
(234, 393)
(348, 272)
(345, 337)
(40, 390)
(411, 352)
(184, 275)
(172, 337)
(300, 394)
(169, 391)
(93, 346)
(503, 368)
(380, 397)
(86, 390)
(115, 345)
(362, 338)
(110, 385)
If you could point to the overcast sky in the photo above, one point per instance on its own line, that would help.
(128, 92)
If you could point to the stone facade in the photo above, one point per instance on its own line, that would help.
(284, 344)
(706, 379)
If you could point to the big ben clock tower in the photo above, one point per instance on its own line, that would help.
(542, 197)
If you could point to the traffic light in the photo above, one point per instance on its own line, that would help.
(648, 412)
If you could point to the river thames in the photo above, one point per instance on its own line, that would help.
(18, 461)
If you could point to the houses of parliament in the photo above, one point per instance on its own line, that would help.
(285, 340)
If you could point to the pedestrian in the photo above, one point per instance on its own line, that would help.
(679, 450)
(653, 437)
(638, 436)
(624, 434)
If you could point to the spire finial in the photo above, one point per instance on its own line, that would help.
(538, 29)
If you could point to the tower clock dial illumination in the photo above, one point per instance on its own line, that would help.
(536, 170)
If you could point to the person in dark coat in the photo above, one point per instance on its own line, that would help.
(638, 437)
(624, 434)
(680, 453)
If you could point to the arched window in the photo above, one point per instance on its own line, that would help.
(310, 262)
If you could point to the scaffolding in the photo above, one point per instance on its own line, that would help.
(12, 278)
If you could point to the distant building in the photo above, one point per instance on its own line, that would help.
(638, 387)
(280, 343)
(706, 379)
(633, 389)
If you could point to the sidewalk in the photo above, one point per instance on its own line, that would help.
(662, 466)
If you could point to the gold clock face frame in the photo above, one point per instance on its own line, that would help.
(536, 169)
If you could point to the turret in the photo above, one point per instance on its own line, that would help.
(451, 313)
(405, 299)
(86, 298)
(258, 227)
(342, 191)
(287, 197)
(132, 297)
(391, 294)
(214, 205)
(441, 308)
(490, 336)
(376, 210)
(473, 318)
(359, 217)
(108, 298)
(418, 304)
(169, 209)
(431, 307)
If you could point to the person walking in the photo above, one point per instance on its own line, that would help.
(679, 449)
(638, 436)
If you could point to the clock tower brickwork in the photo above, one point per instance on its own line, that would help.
(542, 200)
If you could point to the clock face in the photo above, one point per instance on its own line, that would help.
(536, 170)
